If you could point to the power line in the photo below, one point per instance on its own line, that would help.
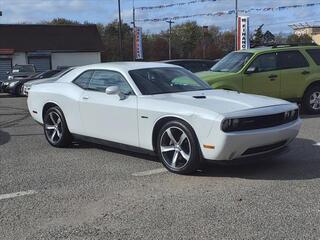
(230, 12)
(174, 4)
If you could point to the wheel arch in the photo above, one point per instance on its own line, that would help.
(161, 122)
(47, 106)
(314, 83)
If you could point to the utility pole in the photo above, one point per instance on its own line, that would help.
(133, 32)
(236, 24)
(204, 40)
(170, 23)
(120, 31)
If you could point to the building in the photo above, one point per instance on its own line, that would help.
(48, 46)
(307, 29)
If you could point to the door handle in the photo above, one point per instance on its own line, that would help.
(85, 97)
(273, 76)
(305, 72)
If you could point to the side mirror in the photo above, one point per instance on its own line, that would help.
(115, 90)
(251, 70)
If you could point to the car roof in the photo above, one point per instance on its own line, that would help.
(126, 66)
(187, 60)
(278, 48)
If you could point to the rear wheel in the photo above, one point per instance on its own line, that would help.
(178, 148)
(311, 100)
(55, 128)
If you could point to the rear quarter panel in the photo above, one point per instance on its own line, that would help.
(65, 95)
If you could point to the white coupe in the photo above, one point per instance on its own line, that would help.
(163, 109)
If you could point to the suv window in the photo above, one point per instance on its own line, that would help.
(265, 62)
(292, 59)
(315, 55)
(83, 79)
(103, 79)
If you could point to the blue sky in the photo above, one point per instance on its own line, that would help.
(104, 11)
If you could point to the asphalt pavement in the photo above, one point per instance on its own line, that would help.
(89, 191)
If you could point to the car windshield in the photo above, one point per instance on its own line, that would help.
(233, 62)
(166, 80)
(23, 68)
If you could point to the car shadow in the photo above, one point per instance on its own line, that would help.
(6, 95)
(83, 144)
(300, 162)
(4, 137)
(307, 116)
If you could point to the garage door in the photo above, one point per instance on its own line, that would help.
(5, 66)
(41, 63)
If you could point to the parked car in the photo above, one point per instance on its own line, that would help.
(193, 65)
(21, 71)
(162, 109)
(15, 86)
(287, 72)
(26, 86)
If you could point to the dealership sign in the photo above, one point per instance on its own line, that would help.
(243, 41)
(138, 43)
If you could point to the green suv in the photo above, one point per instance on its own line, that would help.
(288, 72)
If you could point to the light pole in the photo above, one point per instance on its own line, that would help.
(236, 24)
(170, 23)
(120, 31)
(133, 31)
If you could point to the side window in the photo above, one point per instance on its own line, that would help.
(315, 55)
(292, 59)
(265, 62)
(83, 79)
(102, 79)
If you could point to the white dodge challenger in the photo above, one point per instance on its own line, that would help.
(163, 109)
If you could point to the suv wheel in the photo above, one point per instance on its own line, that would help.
(311, 100)
(178, 148)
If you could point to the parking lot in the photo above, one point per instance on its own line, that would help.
(93, 192)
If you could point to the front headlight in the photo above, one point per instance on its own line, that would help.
(11, 84)
(10, 77)
(291, 115)
(229, 125)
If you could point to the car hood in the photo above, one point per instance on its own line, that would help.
(222, 101)
(214, 76)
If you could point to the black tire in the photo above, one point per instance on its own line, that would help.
(20, 90)
(51, 124)
(188, 149)
(307, 105)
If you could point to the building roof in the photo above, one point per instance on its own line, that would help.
(34, 37)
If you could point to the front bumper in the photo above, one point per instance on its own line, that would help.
(228, 146)
(26, 89)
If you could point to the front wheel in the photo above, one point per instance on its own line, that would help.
(311, 100)
(55, 128)
(178, 148)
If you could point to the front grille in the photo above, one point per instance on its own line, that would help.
(258, 122)
(264, 148)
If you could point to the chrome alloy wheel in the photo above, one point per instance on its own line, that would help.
(53, 127)
(315, 100)
(175, 147)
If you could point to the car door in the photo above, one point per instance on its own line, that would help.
(294, 73)
(264, 78)
(107, 116)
